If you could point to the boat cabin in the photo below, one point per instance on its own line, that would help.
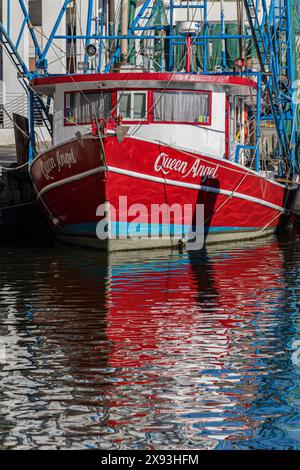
(192, 112)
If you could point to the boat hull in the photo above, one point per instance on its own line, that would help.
(77, 179)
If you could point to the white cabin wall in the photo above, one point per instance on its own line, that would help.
(61, 132)
(207, 139)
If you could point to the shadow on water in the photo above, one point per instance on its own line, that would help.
(151, 350)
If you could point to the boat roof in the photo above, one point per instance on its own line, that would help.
(233, 84)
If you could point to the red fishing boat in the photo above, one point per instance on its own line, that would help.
(132, 147)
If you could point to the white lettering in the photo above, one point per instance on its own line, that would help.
(164, 164)
(47, 167)
(65, 159)
(61, 160)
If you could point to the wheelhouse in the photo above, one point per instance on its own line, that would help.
(191, 112)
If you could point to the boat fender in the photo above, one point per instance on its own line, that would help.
(55, 222)
(79, 137)
(121, 132)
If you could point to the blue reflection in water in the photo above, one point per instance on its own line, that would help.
(151, 350)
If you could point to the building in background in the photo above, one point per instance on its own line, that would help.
(43, 14)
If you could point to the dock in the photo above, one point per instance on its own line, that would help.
(21, 218)
(7, 157)
(297, 203)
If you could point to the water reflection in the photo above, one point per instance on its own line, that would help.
(151, 350)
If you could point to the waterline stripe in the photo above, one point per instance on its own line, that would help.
(121, 228)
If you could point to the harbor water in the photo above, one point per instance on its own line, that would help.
(151, 350)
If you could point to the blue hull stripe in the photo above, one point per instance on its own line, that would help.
(145, 229)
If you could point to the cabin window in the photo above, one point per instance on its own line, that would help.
(177, 106)
(132, 105)
(81, 108)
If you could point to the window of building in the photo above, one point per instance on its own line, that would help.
(36, 12)
(81, 108)
(182, 106)
(36, 18)
(132, 105)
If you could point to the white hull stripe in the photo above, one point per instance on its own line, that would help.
(64, 181)
(197, 187)
(157, 179)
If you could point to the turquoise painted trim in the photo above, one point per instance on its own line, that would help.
(121, 228)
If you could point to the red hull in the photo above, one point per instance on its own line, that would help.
(72, 180)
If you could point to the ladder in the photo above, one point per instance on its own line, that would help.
(140, 24)
(13, 54)
(24, 74)
(146, 13)
(43, 111)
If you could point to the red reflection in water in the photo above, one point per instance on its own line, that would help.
(150, 310)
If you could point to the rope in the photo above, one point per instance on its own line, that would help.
(15, 167)
(14, 123)
(231, 195)
(282, 180)
(272, 220)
